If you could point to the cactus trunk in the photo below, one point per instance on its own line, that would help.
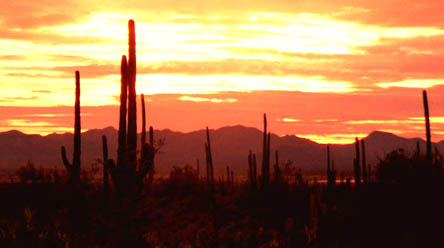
(143, 135)
(210, 157)
(105, 163)
(427, 125)
(121, 149)
(357, 163)
(74, 168)
(132, 108)
(265, 177)
(328, 166)
(364, 165)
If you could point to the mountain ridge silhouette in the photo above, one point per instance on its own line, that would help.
(230, 144)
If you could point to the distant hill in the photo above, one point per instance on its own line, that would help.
(230, 147)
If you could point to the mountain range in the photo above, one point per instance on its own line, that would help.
(230, 147)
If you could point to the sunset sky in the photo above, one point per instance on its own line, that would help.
(326, 70)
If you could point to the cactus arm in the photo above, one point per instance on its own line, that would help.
(66, 163)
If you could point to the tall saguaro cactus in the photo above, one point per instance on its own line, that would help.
(357, 162)
(105, 162)
(209, 158)
(427, 126)
(121, 150)
(252, 170)
(132, 109)
(126, 175)
(143, 135)
(74, 168)
(364, 165)
(331, 172)
(265, 177)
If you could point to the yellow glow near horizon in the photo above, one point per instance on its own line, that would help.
(288, 120)
(413, 83)
(333, 138)
(203, 99)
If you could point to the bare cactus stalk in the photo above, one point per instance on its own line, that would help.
(105, 164)
(210, 157)
(152, 170)
(364, 165)
(127, 176)
(121, 149)
(265, 177)
(207, 163)
(132, 108)
(143, 135)
(151, 136)
(74, 168)
(264, 151)
(427, 125)
(277, 170)
(328, 166)
(357, 164)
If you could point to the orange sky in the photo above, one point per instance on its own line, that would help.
(324, 70)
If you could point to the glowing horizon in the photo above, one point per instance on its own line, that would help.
(325, 71)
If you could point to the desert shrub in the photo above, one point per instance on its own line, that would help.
(28, 173)
(399, 167)
(183, 178)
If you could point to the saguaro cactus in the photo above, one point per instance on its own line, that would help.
(105, 164)
(143, 135)
(357, 161)
(265, 177)
(252, 170)
(277, 170)
(427, 126)
(126, 175)
(121, 150)
(328, 165)
(364, 165)
(331, 172)
(74, 168)
(132, 109)
(209, 158)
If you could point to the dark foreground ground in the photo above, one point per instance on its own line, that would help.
(184, 213)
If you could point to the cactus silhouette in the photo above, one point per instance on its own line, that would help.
(331, 172)
(121, 150)
(357, 166)
(265, 176)
(74, 168)
(364, 165)
(126, 175)
(427, 126)
(209, 159)
(105, 161)
(277, 169)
